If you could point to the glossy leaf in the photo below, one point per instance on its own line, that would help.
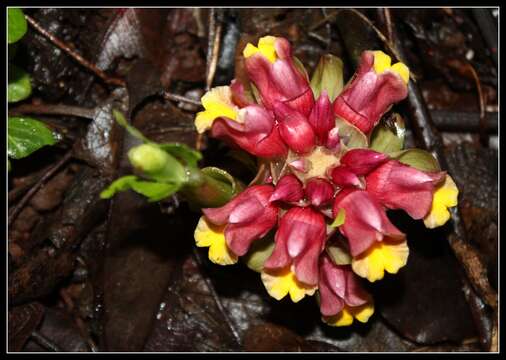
(417, 158)
(19, 86)
(16, 24)
(26, 135)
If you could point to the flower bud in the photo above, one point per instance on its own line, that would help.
(148, 158)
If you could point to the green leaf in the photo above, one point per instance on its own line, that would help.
(183, 152)
(417, 158)
(350, 135)
(132, 130)
(338, 255)
(387, 140)
(152, 190)
(26, 135)
(339, 220)
(16, 24)
(259, 252)
(19, 86)
(328, 76)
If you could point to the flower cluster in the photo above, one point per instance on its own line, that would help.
(326, 196)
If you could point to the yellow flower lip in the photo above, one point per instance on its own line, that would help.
(217, 103)
(280, 283)
(265, 47)
(445, 196)
(386, 255)
(212, 236)
(382, 63)
(345, 318)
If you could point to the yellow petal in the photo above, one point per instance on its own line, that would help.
(345, 318)
(265, 47)
(402, 70)
(212, 236)
(282, 282)
(381, 62)
(445, 196)
(217, 102)
(382, 255)
(364, 312)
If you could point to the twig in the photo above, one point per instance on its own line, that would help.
(74, 54)
(215, 296)
(388, 23)
(45, 342)
(323, 21)
(175, 97)
(483, 124)
(21, 204)
(58, 109)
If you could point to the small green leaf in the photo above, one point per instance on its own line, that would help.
(259, 252)
(340, 218)
(132, 130)
(183, 152)
(16, 24)
(19, 86)
(387, 140)
(417, 158)
(152, 190)
(350, 135)
(26, 135)
(338, 255)
(328, 76)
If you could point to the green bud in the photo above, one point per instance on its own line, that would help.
(328, 76)
(148, 158)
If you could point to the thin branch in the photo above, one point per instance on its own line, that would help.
(49, 109)
(483, 124)
(175, 97)
(21, 204)
(45, 342)
(323, 21)
(82, 61)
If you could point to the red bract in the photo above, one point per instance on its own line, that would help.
(248, 217)
(319, 191)
(288, 189)
(299, 240)
(258, 134)
(366, 221)
(369, 95)
(398, 186)
(281, 80)
(322, 118)
(294, 128)
(338, 285)
(362, 161)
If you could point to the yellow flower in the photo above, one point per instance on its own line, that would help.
(265, 47)
(279, 283)
(445, 196)
(382, 63)
(217, 102)
(212, 236)
(382, 255)
(345, 318)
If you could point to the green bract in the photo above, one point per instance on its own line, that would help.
(328, 76)
(417, 158)
(26, 135)
(387, 140)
